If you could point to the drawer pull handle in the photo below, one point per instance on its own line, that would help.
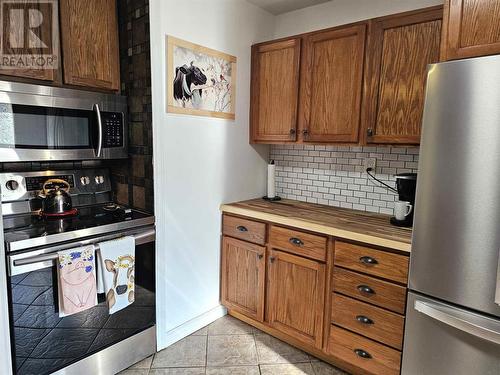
(364, 319)
(362, 353)
(369, 261)
(296, 241)
(241, 228)
(365, 289)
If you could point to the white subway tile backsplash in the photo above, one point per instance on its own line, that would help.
(335, 176)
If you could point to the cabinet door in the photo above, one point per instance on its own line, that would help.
(242, 281)
(296, 293)
(331, 85)
(399, 49)
(89, 32)
(45, 34)
(275, 86)
(471, 28)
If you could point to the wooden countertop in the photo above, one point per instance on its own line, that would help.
(353, 225)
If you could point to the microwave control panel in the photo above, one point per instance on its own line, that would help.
(113, 125)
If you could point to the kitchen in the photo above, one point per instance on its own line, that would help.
(287, 270)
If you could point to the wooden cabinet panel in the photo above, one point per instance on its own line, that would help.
(369, 289)
(331, 85)
(89, 32)
(244, 229)
(296, 293)
(471, 28)
(274, 96)
(367, 320)
(366, 354)
(45, 31)
(399, 49)
(297, 242)
(373, 262)
(243, 275)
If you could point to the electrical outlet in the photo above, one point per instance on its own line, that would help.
(370, 163)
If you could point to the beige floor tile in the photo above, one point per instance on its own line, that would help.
(228, 325)
(270, 350)
(178, 371)
(137, 371)
(231, 350)
(288, 369)
(145, 363)
(188, 352)
(233, 370)
(322, 368)
(201, 332)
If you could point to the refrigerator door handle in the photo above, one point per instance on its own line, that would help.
(497, 292)
(481, 327)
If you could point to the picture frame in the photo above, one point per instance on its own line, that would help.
(200, 81)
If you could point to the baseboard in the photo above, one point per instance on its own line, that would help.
(189, 327)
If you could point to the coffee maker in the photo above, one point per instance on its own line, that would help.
(406, 184)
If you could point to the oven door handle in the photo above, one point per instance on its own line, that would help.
(98, 150)
(140, 238)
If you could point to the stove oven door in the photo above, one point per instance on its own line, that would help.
(42, 342)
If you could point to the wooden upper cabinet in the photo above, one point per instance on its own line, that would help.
(471, 28)
(275, 86)
(331, 85)
(296, 293)
(242, 281)
(43, 33)
(89, 32)
(399, 50)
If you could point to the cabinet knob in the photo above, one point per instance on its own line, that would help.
(272, 259)
(364, 319)
(292, 131)
(295, 241)
(260, 256)
(365, 289)
(368, 260)
(369, 132)
(362, 353)
(305, 132)
(241, 228)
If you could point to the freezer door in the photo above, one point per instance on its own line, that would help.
(456, 237)
(442, 339)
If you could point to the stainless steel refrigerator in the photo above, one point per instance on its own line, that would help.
(453, 312)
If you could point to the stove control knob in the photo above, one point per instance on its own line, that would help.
(85, 180)
(99, 180)
(12, 185)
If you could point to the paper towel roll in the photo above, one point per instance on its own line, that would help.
(271, 180)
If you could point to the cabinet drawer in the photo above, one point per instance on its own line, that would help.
(369, 289)
(368, 320)
(244, 229)
(300, 243)
(374, 262)
(366, 354)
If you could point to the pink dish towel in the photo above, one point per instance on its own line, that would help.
(77, 280)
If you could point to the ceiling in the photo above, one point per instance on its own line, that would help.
(282, 6)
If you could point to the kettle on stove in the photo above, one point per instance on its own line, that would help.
(56, 199)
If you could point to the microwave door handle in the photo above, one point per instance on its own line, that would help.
(97, 111)
(483, 328)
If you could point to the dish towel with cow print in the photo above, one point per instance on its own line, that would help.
(76, 280)
(115, 275)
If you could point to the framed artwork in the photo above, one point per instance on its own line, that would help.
(200, 80)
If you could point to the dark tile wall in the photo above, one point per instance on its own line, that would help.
(133, 182)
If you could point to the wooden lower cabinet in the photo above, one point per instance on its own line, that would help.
(242, 279)
(295, 300)
(313, 292)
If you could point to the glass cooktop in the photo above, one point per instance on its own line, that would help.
(29, 230)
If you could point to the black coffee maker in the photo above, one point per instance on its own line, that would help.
(406, 184)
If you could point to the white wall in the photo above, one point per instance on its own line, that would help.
(339, 12)
(200, 162)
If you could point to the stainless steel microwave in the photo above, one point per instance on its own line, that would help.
(50, 123)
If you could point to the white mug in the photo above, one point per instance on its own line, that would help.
(402, 209)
